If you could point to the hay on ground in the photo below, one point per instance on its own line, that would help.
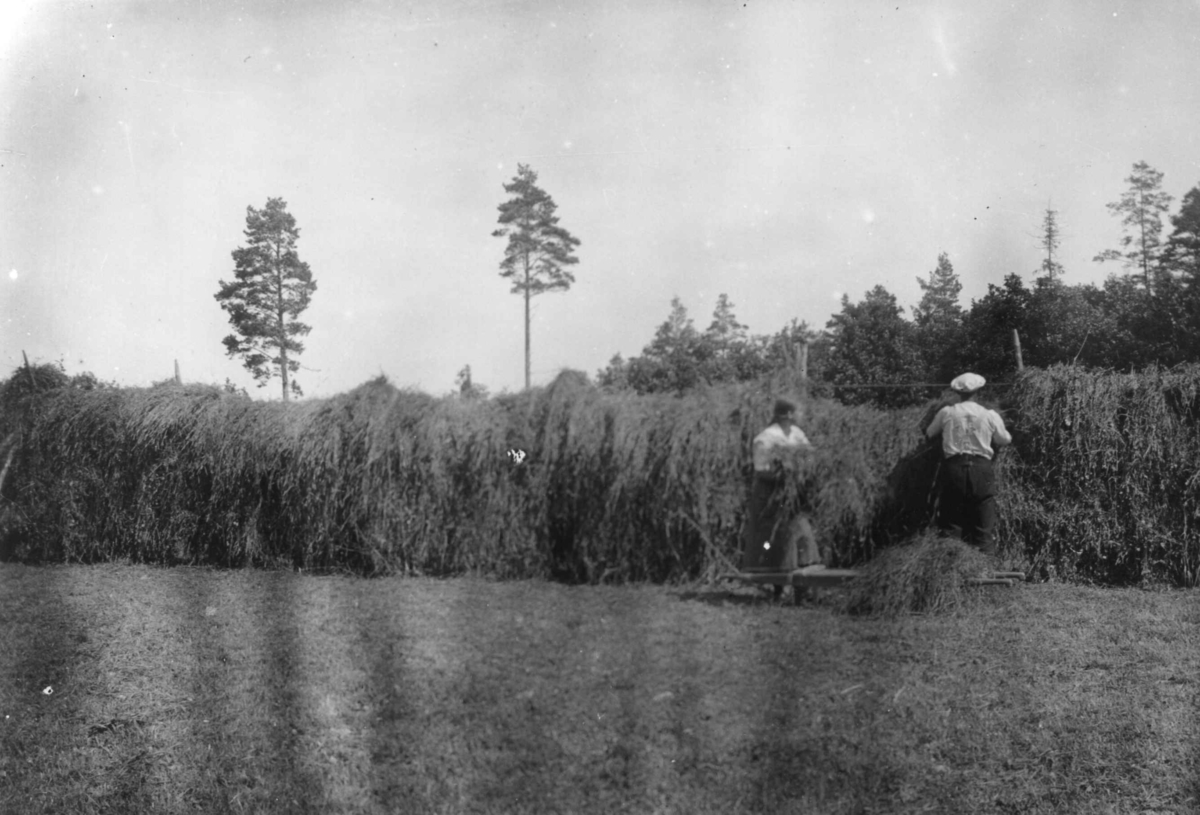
(926, 574)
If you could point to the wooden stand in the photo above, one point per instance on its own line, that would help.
(824, 577)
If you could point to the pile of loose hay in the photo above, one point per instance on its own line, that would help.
(925, 574)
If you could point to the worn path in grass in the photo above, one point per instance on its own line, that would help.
(180, 690)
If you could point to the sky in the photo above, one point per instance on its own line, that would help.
(783, 152)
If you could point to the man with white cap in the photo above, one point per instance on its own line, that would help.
(970, 435)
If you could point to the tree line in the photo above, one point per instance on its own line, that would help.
(870, 352)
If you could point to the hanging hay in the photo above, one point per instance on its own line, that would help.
(1103, 484)
(1100, 484)
(926, 574)
(610, 487)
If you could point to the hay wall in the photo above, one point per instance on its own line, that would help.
(381, 479)
(1103, 481)
(1100, 485)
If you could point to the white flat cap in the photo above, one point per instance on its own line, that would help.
(968, 383)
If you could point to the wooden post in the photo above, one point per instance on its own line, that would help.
(178, 381)
(800, 358)
(1017, 346)
(29, 370)
(7, 462)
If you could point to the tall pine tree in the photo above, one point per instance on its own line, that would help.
(539, 250)
(270, 289)
(1051, 269)
(1141, 209)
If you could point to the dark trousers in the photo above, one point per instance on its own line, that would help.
(967, 509)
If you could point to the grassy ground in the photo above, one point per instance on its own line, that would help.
(177, 690)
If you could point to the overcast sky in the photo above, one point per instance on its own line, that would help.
(781, 152)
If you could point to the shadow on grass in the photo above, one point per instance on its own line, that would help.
(395, 742)
(53, 758)
(490, 699)
(39, 655)
(286, 678)
(820, 738)
(457, 728)
(246, 741)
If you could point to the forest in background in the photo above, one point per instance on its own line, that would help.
(1146, 314)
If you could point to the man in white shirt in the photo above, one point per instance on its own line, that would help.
(774, 540)
(970, 435)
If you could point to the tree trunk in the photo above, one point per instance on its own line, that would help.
(283, 371)
(283, 357)
(526, 330)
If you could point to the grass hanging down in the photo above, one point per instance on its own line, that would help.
(1099, 485)
(613, 487)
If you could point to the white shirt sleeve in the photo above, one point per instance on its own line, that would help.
(935, 427)
(1000, 435)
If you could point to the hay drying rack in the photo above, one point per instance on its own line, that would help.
(819, 576)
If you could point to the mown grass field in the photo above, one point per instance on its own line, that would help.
(178, 690)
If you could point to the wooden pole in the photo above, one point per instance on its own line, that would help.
(800, 357)
(178, 381)
(28, 369)
(7, 462)
(1017, 346)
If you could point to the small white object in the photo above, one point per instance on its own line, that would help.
(48, 690)
(767, 545)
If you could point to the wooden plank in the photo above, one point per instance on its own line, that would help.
(821, 576)
(816, 578)
(769, 578)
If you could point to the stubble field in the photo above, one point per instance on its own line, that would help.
(138, 689)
